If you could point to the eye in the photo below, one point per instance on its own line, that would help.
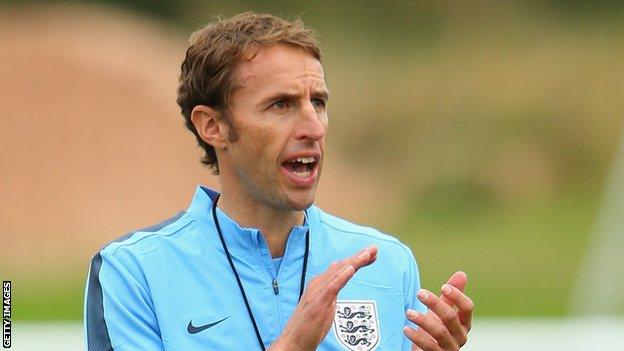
(281, 104)
(318, 103)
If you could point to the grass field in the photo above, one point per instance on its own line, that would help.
(521, 261)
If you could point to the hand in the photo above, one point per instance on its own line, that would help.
(314, 314)
(446, 325)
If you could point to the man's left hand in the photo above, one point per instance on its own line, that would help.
(445, 327)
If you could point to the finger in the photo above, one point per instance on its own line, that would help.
(434, 328)
(339, 281)
(324, 278)
(333, 274)
(374, 250)
(362, 258)
(459, 280)
(421, 339)
(448, 315)
(333, 269)
(434, 316)
(464, 304)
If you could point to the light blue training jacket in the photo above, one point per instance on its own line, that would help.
(170, 286)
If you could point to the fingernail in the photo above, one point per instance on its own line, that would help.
(348, 269)
(412, 314)
(405, 329)
(446, 289)
(423, 295)
(364, 254)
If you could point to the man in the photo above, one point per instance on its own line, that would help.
(258, 266)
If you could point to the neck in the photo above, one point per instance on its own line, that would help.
(274, 224)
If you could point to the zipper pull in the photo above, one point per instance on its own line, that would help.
(275, 287)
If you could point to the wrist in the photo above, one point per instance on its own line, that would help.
(280, 345)
(285, 343)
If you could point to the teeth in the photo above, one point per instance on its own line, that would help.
(302, 174)
(305, 159)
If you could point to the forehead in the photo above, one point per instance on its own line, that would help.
(278, 66)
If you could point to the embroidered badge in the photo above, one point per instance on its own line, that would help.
(356, 325)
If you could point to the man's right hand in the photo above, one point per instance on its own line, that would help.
(314, 314)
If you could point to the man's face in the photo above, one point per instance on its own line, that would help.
(279, 117)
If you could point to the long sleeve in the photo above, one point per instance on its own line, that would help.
(118, 312)
(412, 282)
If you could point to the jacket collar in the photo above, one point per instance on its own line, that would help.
(240, 240)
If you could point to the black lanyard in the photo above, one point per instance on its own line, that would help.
(240, 285)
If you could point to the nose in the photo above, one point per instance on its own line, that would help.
(310, 125)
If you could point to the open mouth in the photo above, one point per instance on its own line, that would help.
(301, 167)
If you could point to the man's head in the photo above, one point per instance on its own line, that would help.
(253, 92)
(207, 73)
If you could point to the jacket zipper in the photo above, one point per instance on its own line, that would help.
(275, 282)
(275, 286)
(273, 275)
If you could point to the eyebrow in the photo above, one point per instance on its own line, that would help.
(324, 94)
(287, 95)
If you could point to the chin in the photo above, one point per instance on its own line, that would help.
(301, 202)
(301, 205)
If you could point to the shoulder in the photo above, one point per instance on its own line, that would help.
(349, 236)
(395, 265)
(352, 231)
(149, 239)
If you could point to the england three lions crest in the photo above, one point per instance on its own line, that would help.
(356, 325)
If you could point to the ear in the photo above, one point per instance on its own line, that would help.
(207, 123)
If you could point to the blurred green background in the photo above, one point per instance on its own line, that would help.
(491, 124)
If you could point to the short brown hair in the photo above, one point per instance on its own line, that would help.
(207, 73)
